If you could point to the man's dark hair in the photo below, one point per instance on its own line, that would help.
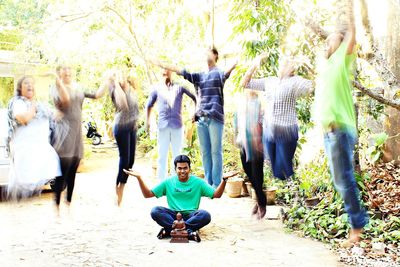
(182, 159)
(215, 52)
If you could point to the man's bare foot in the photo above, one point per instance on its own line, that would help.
(354, 237)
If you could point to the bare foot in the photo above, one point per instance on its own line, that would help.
(254, 210)
(57, 211)
(354, 237)
(120, 193)
(116, 195)
(262, 210)
(68, 207)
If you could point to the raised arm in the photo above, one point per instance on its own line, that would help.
(351, 31)
(63, 97)
(194, 78)
(220, 189)
(63, 93)
(250, 72)
(147, 193)
(167, 66)
(107, 81)
(119, 94)
(229, 71)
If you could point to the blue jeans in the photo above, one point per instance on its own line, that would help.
(339, 146)
(194, 221)
(281, 156)
(168, 136)
(126, 142)
(210, 134)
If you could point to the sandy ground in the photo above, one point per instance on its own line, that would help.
(95, 232)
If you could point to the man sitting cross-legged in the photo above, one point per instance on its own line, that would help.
(183, 192)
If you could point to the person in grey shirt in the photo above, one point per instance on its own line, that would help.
(121, 90)
(68, 98)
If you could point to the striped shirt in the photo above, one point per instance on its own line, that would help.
(280, 110)
(209, 88)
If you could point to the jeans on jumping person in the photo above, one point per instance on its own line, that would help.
(210, 132)
(339, 146)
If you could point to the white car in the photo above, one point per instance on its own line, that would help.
(4, 158)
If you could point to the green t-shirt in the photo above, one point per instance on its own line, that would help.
(333, 98)
(183, 197)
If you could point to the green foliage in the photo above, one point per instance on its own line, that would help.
(27, 15)
(266, 22)
(230, 150)
(314, 177)
(303, 108)
(328, 222)
(387, 230)
(375, 152)
(9, 39)
(6, 91)
(325, 221)
(374, 108)
(145, 144)
(193, 151)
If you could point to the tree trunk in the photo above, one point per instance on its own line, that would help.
(392, 51)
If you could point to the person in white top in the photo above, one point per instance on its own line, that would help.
(29, 134)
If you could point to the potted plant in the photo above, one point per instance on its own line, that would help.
(234, 187)
(270, 194)
(309, 190)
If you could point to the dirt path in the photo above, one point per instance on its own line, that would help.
(97, 233)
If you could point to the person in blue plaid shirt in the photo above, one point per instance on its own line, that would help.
(209, 116)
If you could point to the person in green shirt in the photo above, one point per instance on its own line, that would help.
(183, 192)
(334, 109)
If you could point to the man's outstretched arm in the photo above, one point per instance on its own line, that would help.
(167, 66)
(194, 78)
(229, 71)
(147, 193)
(250, 72)
(220, 189)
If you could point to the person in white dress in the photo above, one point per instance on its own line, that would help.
(34, 162)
